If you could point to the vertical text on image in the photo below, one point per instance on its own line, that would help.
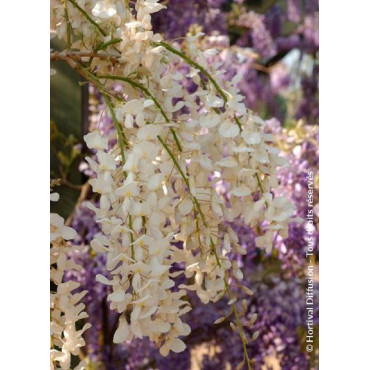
(310, 243)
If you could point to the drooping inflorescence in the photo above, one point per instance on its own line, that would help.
(160, 206)
(65, 306)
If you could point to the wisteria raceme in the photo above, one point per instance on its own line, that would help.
(278, 319)
(182, 139)
(65, 309)
(159, 204)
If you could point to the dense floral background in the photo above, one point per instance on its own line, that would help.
(275, 46)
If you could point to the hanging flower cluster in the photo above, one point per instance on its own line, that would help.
(65, 309)
(160, 204)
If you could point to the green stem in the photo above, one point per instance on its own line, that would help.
(259, 183)
(238, 123)
(121, 145)
(88, 17)
(203, 70)
(139, 86)
(131, 237)
(99, 47)
(89, 76)
(104, 45)
(146, 92)
(121, 136)
(68, 25)
(195, 65)
(236, 314)
(176, 139)
(176, 163)
(239, 325)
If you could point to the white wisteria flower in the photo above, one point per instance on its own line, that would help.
(186, 163)
(104, 9)
(65, 309)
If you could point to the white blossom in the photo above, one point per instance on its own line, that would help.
(162, 186)
(65, 310)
